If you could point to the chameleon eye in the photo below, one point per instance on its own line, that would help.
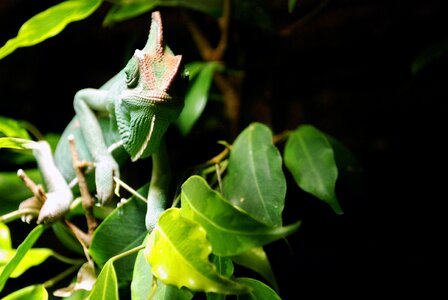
(132, 73)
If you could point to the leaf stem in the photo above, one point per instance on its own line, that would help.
(14, 215)
(128, 252)
(60, 276)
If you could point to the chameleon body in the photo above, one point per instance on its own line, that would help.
(132, 110)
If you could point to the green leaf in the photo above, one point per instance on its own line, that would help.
(106, 285)
(67, 238)
(142, 278)
(257, 260)
(5, 239)
(310, 158)
(13, 191)
(178, 252)
(16, 143)
(350, 171)
(22, 250)
(12, 128)
(122, 230)
(49, 23)
(291, 5)
(125, 10)
(196, 96)
(224, 266)
(229, 230)
(33, 258)
(255, 180)
(260, 291)
(32, 292)
(169, 292)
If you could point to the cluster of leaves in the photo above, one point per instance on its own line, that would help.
(194, 246)
(221, 220)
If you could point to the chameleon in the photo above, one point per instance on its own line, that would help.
(126, 118)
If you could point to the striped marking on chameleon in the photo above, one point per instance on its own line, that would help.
(147, 139)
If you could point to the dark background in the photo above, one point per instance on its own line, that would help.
(347, 71)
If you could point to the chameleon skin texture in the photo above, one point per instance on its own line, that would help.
(133, 109)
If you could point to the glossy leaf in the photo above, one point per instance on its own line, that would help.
(21, 251)
(255, 180)
(260, 291)
(16, 143)
(224, 267)
(33, 292)
(124, 10)
(257, 260)
(122, 230)
(12, 128)
(49, 23)
(310, 158)
(33, 258)
(106, 285)
(169, 292)
(178, 252)
(229, 230)
(142, 278)
(67, 238)
(5, 238)
(196, 96)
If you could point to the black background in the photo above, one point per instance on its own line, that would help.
(347, 72)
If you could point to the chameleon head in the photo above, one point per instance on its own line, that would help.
(152, 95)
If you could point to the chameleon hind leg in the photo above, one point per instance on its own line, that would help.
(59, 195)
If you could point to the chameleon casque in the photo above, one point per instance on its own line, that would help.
(125, 118)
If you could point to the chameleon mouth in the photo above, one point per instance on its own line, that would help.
(146, 141)
(148, 96)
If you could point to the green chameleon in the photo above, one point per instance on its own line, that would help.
(126, 117)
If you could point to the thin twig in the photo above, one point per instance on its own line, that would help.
(87, 200)
(36, 189)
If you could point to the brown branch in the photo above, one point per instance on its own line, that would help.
(87, 200)
(224, 82)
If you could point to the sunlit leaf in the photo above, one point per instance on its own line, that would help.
(49, 23)
(122, 230)
(12, 128)
(106, 285)
(310, 158)
(32, 292)
(260, 291)
(257, 260)
(141, 279)
(33, 258)
(178, 252)
(196, 96)
(5, 239)
(124, 9)
(16, 143)
(255, 180)
(229, 230)
(22, 250)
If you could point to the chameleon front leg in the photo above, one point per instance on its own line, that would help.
(106, 167)
(159, 186)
